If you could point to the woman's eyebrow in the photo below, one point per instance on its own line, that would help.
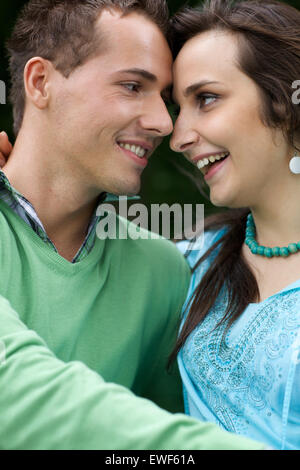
(192, 88)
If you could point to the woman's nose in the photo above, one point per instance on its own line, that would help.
(183, 137)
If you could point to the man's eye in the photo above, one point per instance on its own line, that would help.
(204, 99)
(133, 87)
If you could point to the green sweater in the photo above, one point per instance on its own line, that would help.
(68, 330)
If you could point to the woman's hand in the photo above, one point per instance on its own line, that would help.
(5, 148)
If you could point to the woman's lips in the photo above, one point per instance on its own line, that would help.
(215, 168)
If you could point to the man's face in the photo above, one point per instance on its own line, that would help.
(108, 117)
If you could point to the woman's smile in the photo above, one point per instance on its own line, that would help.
(220, 114)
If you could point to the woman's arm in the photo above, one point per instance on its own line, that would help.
(5, 148)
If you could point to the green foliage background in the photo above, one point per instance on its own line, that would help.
(167, 178)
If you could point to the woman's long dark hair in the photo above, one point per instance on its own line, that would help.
(269, 53)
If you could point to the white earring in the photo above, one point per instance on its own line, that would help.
(295, 164)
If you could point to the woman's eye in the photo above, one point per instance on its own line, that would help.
(205, 99)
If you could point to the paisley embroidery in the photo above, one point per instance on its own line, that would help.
(239, 373)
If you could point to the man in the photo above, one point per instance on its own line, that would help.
(77, 313)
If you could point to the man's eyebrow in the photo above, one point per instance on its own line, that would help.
(141, 72)
(192, 88)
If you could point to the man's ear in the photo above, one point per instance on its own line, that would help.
(36, 80)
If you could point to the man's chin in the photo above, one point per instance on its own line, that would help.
(126, 189)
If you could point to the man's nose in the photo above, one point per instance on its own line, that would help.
(157, 119)
(184, 136)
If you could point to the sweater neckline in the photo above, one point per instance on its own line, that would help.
(47, 251)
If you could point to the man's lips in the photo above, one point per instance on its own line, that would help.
(138, 143)
(137, 150)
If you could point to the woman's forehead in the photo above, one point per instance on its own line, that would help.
(212, 47)
(208, 56)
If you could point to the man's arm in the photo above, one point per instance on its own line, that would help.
(48, 404)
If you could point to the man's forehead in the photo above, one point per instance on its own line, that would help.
(113, 23)
(111, 16)
(131, 27)
(134, 42)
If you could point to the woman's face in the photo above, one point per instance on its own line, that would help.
(220, 113)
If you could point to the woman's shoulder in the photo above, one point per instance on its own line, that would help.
(195, 249)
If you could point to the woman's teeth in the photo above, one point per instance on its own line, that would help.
(213, 158)
(139, 151)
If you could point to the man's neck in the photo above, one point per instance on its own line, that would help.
(61, 202)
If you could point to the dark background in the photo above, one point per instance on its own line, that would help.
(169, 178)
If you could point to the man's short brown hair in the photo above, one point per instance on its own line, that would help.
(63, 31)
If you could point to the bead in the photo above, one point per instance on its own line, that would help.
(298, 245)
(268, 252)
(284, 251)
(260, 250)
(292, 247)
(276, 251)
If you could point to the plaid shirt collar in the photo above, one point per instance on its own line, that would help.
(21, 206)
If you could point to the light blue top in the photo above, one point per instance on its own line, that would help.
(249, 382)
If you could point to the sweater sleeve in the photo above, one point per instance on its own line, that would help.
(48, 404)
(163, 384)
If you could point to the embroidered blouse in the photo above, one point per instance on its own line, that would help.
(247, 381)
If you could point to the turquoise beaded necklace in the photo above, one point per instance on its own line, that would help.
(257, 249)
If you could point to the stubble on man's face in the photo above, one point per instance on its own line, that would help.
(115, 100)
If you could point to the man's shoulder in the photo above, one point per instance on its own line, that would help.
(147, 244)
(5, 224)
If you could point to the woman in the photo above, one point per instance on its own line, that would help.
(235, 64)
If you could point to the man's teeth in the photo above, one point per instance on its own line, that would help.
(213, 158)
(139, 151)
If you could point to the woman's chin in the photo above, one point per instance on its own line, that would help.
(218, 200)
(224, 201)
